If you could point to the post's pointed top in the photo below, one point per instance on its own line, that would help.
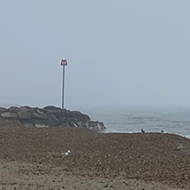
(63, 62)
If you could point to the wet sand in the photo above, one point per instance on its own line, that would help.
(32, 159)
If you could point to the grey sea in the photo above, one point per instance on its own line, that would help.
(171, 120)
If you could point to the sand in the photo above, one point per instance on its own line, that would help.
(32, 159)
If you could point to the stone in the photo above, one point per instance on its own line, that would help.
(24, 115)
(51, 108)
(2, 110)
(96, 126)
(40, 116)
(52, 121)
(79, 116)
(72, 124)
(9, 115)
(82, 124)
(13, 109)
(25, 108)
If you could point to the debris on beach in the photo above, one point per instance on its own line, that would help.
(180, 147)
(66, 153)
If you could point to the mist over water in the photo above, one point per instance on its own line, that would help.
(171, 120)
(119, 53)
(131, 53)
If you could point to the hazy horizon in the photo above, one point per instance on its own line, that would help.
(120, 53)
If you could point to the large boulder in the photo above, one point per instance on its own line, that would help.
(9, 115)
(79, 116)
(13, 109)
(2, 110)
(52, 108)
(40, 116)
(52, 120)
(96, 126)
(24, 115)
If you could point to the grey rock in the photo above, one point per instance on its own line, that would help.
(79, 116)
(52, 121)
(25, 108)
(13, 109)
(40, 116)
(82, 124)
(2, 110)
(52, 108)
(9, 115)
(96, 126)
(24, 115)
(72, 124)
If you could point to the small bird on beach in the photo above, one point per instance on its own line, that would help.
(66, 153)
(142, 131)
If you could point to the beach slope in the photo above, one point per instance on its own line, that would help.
(32, 158)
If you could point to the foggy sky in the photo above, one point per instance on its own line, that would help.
(119, 53)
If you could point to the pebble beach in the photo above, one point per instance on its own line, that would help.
(32, 158)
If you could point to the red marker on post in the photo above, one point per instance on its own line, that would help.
(63, 63)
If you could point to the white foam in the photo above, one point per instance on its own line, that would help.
(165, 132)
(187, 136)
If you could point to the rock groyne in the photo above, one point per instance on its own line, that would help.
(49, 116)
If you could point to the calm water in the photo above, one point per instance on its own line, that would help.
(171, 120)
